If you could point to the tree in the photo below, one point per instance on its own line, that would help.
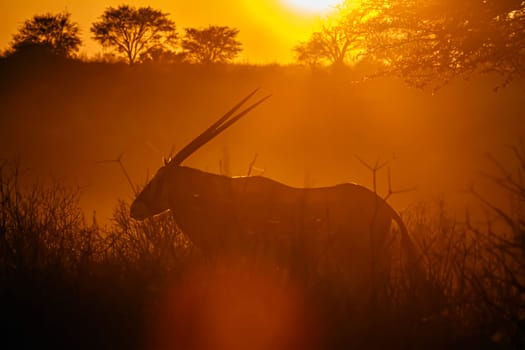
(54, 33)
(329, 45)
(339, 40)
(430, 42)
(425, 42)
(332, 45)
(214, 44)
(134, 31)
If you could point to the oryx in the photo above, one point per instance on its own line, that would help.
(219, 213)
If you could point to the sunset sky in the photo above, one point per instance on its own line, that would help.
(269, 29)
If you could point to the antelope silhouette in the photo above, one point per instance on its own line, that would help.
(219, 212)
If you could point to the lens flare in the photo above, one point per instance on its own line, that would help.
(233, 306)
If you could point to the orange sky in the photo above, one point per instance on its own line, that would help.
(268, 28)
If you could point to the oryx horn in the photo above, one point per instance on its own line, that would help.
(216, 128)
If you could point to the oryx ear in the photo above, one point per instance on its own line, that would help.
(165, 161)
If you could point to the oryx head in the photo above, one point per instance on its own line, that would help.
(154, 198)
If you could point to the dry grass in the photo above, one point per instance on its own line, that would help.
(65, 282)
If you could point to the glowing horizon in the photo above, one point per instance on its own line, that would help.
(269, 29)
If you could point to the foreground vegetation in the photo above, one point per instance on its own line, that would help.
(67, 283)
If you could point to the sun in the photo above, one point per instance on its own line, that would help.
(312, 6)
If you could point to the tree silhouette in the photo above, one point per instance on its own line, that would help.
(326, 46)
(54, 33)
(431, 42)
(339, 40)
(213, 44)
(331, 45)
(134, 31)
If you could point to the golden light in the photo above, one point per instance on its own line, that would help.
(312, 6)
(233, 306)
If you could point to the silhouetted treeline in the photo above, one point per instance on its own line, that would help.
(427, 43)
(133, 35)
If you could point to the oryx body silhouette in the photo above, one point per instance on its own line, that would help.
(219, 213)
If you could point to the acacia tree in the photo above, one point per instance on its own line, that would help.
(213, 44)
(329, 45)
(56, 33)
(134, 31)
(430, 42)
(339, 40)
(332, 45)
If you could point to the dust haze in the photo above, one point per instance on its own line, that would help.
(65, 120)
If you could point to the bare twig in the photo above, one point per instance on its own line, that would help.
(374, 169)
(252, 164)
(118, 160)
(393, 192)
